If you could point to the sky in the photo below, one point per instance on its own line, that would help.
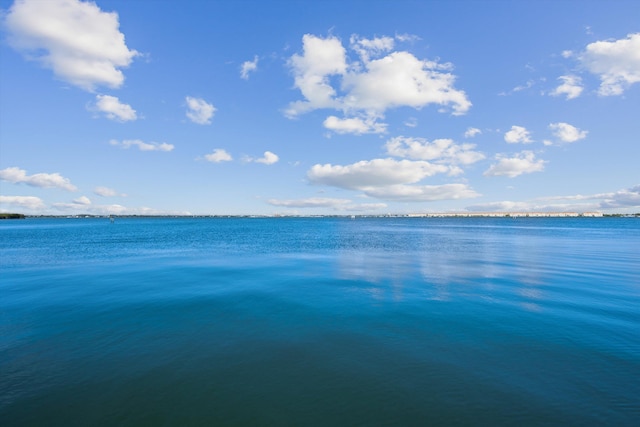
(325, 107)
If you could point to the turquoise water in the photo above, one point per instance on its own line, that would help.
(320, 321)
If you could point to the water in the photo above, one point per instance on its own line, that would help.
(320, 321)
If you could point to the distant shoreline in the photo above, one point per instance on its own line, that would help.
(419, 215)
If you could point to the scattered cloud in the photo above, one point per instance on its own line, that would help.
(524, 162)
(366, 48)
(42, 180)
(518, 134)
(248, 67)
(440, 150)
(82, 200)
(411, 122)
(114, 109)
(567, 133)
(354, 125)
(218, 155)
(268, 158)
(27, 202)
(389, 179)
(80, 43)
(142, 146)
(571, 87)
(373, 173)
(625, 198)
(615, 62)
(504, 206)
(323, 202)
(363, 88)
(422, 193)
(106, 192)
(472, 132)
(622, 199)
(199, 111)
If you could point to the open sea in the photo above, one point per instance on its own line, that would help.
(320, 322)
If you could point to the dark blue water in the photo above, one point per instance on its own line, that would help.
(320, 322)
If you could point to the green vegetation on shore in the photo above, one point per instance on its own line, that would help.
(11, 216)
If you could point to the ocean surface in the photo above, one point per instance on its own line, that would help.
(320, 322)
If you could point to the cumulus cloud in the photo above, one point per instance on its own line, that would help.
(518, 134)
(440, 150)
(27, 202)
(82, 200)
(268, 158)
(248, 67)
(80, 43)
(354, 125)
(366, 48)
(571, 87)
(566, 132)
(142, 146)
(422, 193)
(199, 111)
(114, 109)
(324, 202)
(106, 192)
(42, 180)
(378, 79)
(524, 162)
(373, 173)
(218, 155)
(615, 62)
(471, 132)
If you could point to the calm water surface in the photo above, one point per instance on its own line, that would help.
(321, 321)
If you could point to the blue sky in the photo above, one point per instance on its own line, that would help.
(332, 107)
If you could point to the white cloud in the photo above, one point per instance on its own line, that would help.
(268, 158)
(114, 109)
(625, 198)
(571, 87)
(354, 125)
(616, 63)
(218, 155)
(366, 48)
(82, 200)
(248, 67)
(422, 193)
(442, 150)
(471, 132)
(324, 202)
(524, 162)
(143, 146)
(106, 192)
(373, 173)
(27, 202)
(366, 87)
(79, 42)
(42, 180)
(321, 59)
(567, 133)
(400, 79)
(504, 206)
(518, 134)
(199, 111)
